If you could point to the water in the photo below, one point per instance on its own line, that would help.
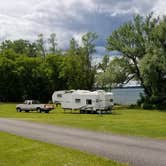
(127, 96)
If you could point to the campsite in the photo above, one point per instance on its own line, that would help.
(83, 83)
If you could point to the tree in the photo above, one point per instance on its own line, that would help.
(105, 62)
(153, 66)
(74, 48)
(10, 82)
(6, 45)
(20, 46)
(115, 74)
(71, 72)
(34, 79)
(143, 44)
(53, 68)
(41, 45)
(77, 71)
(33, 50)
(53, 42)
(88, 41)
(74, 67)
(88, 47)
(103, 80)
(131, 39)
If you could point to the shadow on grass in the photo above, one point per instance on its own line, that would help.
(35, 112)
(116, 113)
(113, 112)
(126, 107)
(162, 111)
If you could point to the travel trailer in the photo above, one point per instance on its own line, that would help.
(85, 101)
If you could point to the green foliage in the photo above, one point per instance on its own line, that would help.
(88, 41)
(105, 62)
(53, 41)
(116, 72)
(9, 78)
(131, 40)
(103, 80)
(76, 68)
(153, 67)
(71, 72)
(22, 47)
(28, 71)
(41, 45)
(142, 43)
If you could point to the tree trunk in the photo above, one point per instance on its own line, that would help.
(147, 92)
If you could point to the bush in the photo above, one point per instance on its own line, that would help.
(133, 106)
(148, 106)
(153, 102)
(143, 99)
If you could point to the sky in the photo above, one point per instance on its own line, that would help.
(70, 18)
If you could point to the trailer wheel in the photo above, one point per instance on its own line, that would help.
(39, 110)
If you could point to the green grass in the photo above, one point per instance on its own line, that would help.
(134, 122)
(15, 150)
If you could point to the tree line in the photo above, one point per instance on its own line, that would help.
(36, 69)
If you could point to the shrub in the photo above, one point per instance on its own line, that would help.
(153, 102)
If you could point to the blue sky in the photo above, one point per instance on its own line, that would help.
(70, 18)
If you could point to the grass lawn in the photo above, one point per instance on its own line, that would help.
(15, 150)
(135, 122)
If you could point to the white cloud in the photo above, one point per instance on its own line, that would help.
(68, 18)
(160, 7)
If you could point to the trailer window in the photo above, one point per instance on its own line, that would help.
(89, 101)
(59, 95)
(77, 100)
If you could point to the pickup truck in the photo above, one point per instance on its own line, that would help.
(34, 105)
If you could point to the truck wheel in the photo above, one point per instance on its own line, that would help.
(47, 111)
(39, 110)
(18, 109)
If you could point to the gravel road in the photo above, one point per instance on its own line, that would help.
(133, 150)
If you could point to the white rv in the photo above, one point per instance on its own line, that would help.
(87, 101)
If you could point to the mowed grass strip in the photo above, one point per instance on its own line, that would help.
(134, 122)
(16, 150)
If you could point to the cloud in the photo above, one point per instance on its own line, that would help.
(121, 6)
(68, 18)
(160, 7)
